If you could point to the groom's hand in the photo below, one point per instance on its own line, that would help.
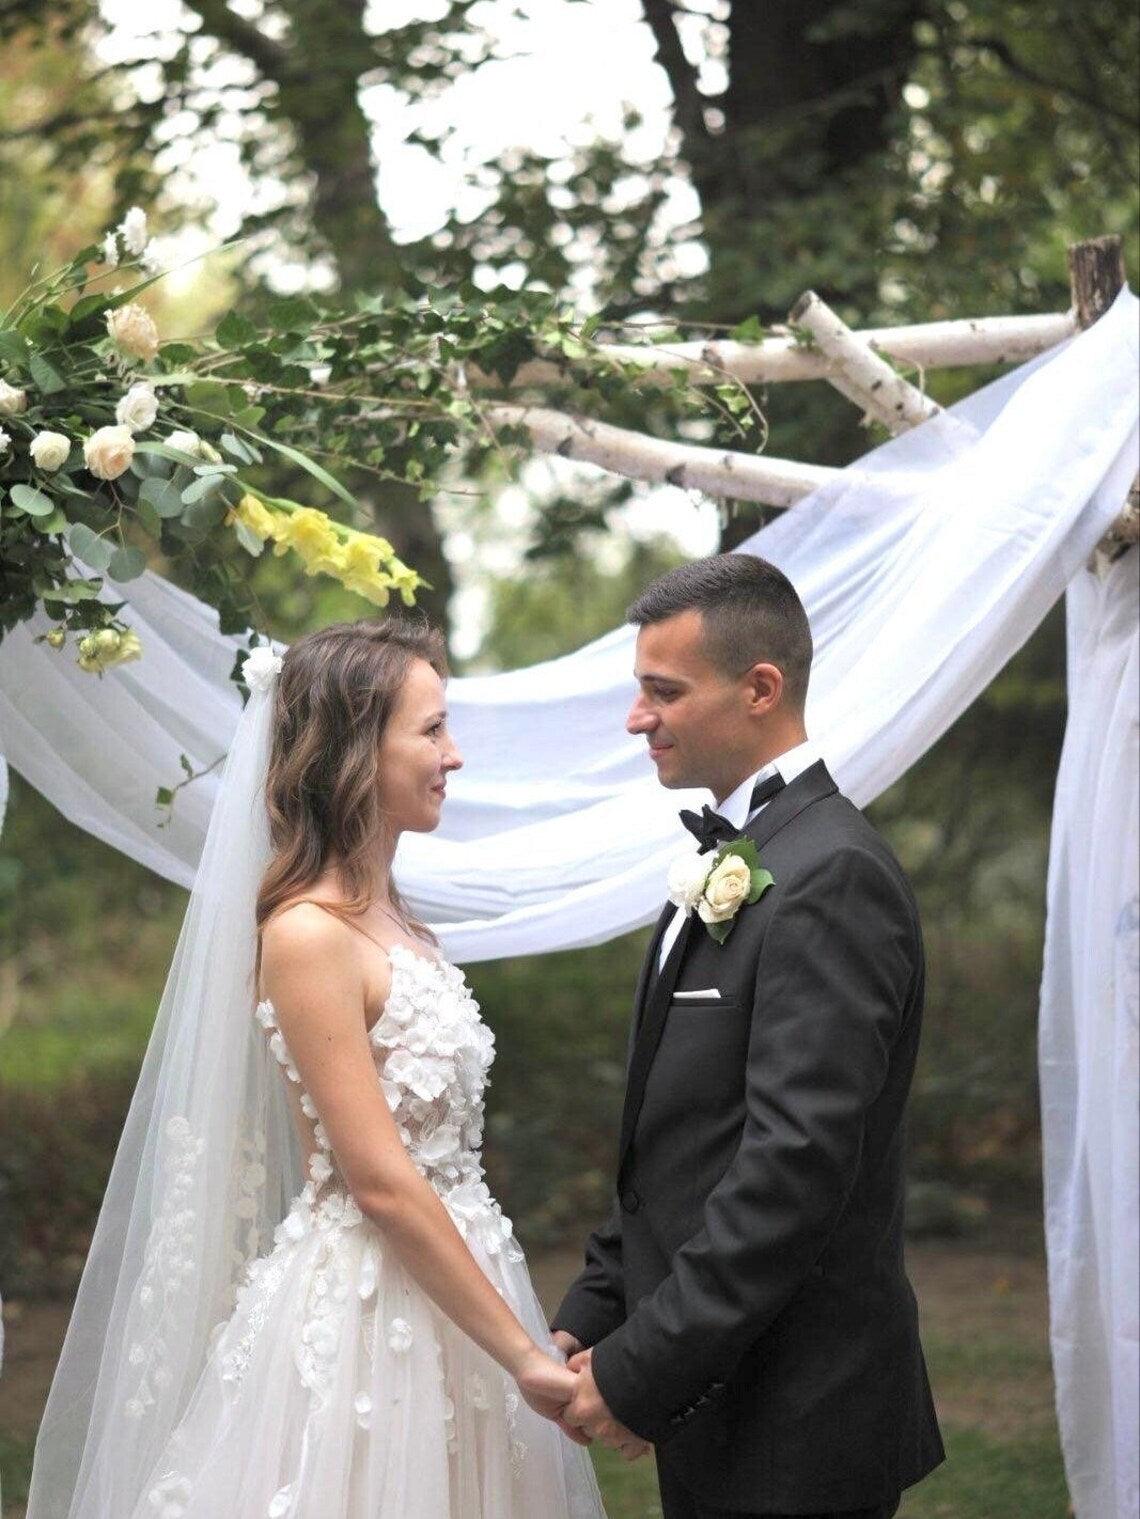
(587, 1411)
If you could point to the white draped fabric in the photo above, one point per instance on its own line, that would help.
(923, 569)
(1090, 1004)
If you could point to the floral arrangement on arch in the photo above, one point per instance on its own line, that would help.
(111, 441)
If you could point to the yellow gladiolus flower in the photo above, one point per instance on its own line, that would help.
(252, 514)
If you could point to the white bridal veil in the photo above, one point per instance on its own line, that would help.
(205, 1169)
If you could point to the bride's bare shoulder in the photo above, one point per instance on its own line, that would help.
(302, 944)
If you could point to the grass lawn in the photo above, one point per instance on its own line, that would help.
(984, 1328)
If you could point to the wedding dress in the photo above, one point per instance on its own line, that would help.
(337, 1389)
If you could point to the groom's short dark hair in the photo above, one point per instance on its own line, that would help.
(750, 612)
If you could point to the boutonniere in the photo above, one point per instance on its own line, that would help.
(719, 885)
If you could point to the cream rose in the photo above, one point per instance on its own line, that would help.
(686, 880)
(728, 886)
(109, 451)
(49, 450)
(13, 400)
(132, 329)
(138, 408)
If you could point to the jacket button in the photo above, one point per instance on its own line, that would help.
(630, 1201)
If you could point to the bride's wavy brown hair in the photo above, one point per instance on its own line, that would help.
(333, 700)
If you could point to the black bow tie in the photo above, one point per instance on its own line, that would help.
(712, 830)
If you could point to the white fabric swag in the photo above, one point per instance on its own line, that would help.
(923, 568)
(1090, 1071)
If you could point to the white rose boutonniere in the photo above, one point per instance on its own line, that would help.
(720, 885)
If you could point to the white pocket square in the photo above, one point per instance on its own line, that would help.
(709, 991)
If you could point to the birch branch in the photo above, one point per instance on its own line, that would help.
(859, 371)
(780, 358)
(715, 471)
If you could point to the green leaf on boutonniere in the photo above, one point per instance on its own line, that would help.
(761, 880)
(721, 931)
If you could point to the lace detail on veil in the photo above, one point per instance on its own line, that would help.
(168, 1263)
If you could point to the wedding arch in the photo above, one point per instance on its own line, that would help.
(924, 567)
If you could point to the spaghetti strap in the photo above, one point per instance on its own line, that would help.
(341, 919)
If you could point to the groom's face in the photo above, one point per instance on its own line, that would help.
(699, 721)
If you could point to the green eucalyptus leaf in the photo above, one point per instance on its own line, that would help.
(236, 448)
(84, 542)
(127, 563)
(149, 518)
(26, 498)
(72, 591)
(199, 488)
(206, 513)
(162, 496)
(54, 522)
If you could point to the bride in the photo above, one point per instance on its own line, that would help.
(301, 1300)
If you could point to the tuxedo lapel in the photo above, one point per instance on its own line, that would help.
(655, 1007)
(811, 786)
(649, 965)
(655, 989)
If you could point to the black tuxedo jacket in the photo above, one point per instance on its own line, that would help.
(746, 1300)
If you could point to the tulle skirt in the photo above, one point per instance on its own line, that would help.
(338, 1390)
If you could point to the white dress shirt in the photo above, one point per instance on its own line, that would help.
(735, 810)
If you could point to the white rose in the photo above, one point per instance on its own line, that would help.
(138, 408)
(132, 229)
(727, 888)
(109, 451)
(5, 441)
(686, 880)
(12, 399)
(49, 450)
(132, 329)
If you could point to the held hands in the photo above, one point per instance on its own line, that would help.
(569, 1396)
(587, 1413)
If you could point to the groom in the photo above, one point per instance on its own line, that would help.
(745, 1307)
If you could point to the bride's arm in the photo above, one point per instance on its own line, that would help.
(316, 984)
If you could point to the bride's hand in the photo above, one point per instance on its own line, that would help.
(547, 1387)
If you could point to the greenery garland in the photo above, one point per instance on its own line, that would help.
(116, 445)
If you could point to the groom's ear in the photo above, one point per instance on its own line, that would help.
(763, 688)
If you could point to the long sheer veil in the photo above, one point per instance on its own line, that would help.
(205, 1168)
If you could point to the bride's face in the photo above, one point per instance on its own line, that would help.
(417, 753)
